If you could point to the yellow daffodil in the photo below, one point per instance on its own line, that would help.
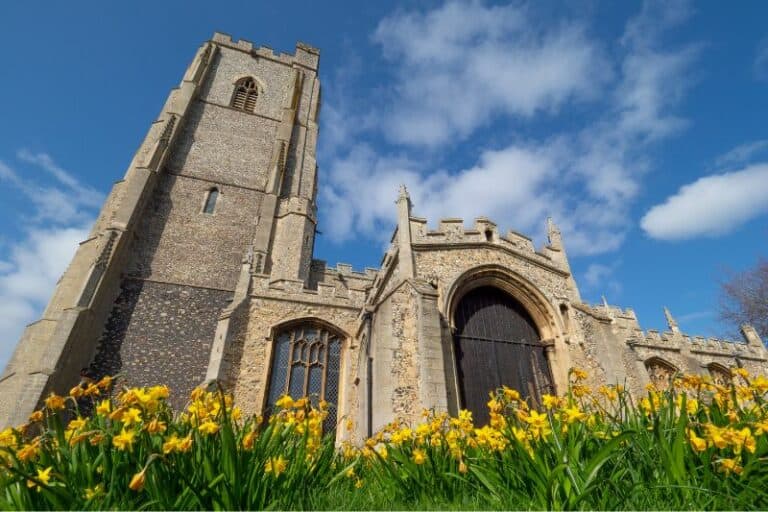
(248, 440)
(578, 374)
(76, 424)
(419, 456)
(697, 443)
(104, 407)
(156, 426)
(729, 466)
(43, 476)
(550, 401)
(28, 452)
(208, 427)
(54, 402)
(7, 438)
(284, 402)
(573, 414)
(510, 394)
(124, 440)
(92, 492)
(276, 465)
(131, 416)
(105, 382)
(138, 481)
(185, 444)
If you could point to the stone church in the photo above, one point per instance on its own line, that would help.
(200, 268)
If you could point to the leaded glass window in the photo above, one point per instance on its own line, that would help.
(306, 362)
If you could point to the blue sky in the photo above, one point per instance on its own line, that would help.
(640, 127)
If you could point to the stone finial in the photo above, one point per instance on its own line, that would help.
(553, 235)
(671, 322)
(404, 233)
(751, 336)
(403, 194)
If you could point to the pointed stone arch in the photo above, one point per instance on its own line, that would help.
(307, 356)
(543, 315)
(720, 374)
(661, 372)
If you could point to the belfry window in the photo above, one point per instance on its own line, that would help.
(306, 362)
(246, 92)
(210, 200)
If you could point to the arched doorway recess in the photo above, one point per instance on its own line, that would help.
(497, 343)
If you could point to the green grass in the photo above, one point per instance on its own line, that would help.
(591, 449)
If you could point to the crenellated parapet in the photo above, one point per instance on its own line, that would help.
(305, 55)
(341, 285)
(673, 340)
(452, 231)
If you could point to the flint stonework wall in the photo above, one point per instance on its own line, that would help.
(445, 266)
(176, 242)
(225, 145)
(160, 333)
(397, 374)
(275, 79)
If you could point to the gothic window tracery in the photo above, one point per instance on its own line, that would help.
(661, 372)
(720, 374)
(306, 362)
(210, 201)
(245, 95)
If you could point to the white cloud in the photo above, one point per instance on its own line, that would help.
(83, 195)
(599, 277)
(28, 277)
(59, 218)
(52, 202)
(586, 178)
(464, 63)
(597, 273)
(742, 154)
(710, 206)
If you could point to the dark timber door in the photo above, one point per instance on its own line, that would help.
(497, 344)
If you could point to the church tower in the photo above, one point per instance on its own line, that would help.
(225, 180)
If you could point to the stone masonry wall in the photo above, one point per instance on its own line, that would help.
(395, 352)
(177, 242)
(445, 266)
(160, 334)
(225, 145)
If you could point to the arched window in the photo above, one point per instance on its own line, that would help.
(306, 362)
(210, 201)
(720, 374)
(661, 372)
(246, 92)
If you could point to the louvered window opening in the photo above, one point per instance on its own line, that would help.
(245, 95)
(497, 344)
(306, 363)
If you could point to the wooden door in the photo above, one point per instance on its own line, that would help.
(497, 344)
